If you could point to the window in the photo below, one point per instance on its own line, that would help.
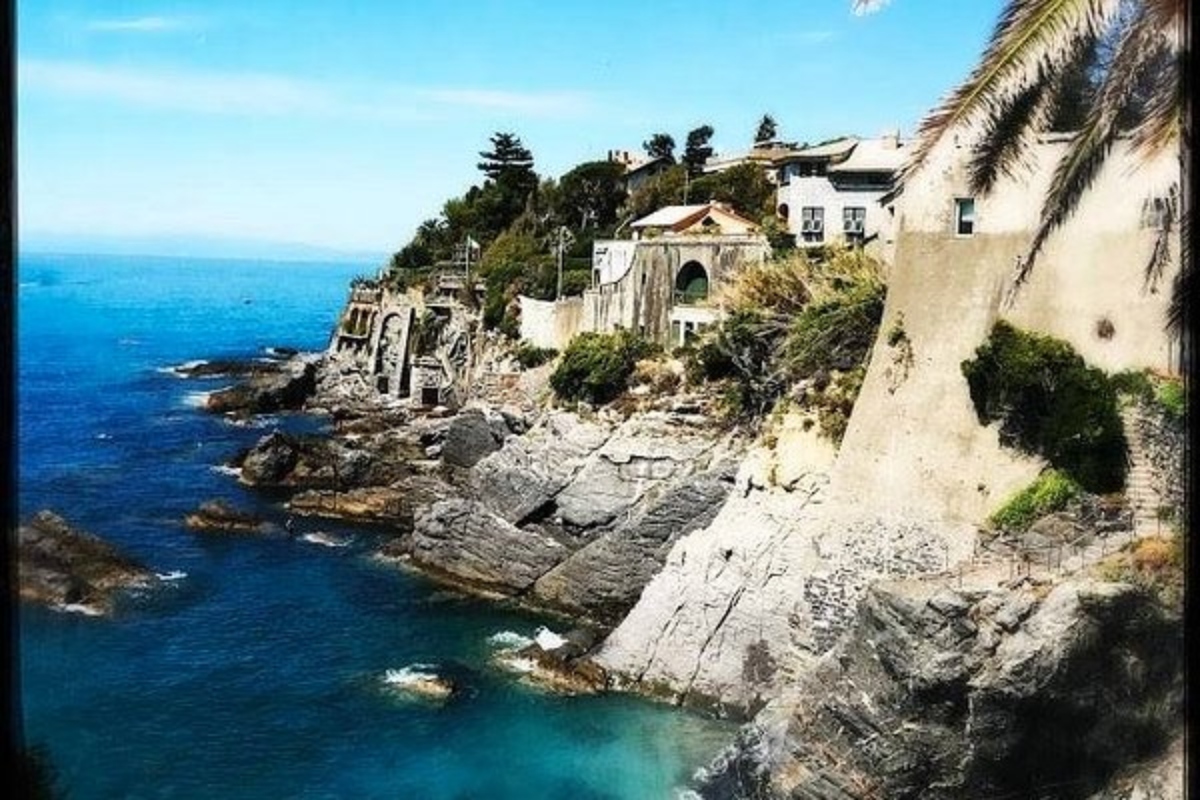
(854, 221)
(964, 216)
(812, 223)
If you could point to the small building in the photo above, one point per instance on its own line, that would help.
(836, 192)
(767, 155)
(660, 284)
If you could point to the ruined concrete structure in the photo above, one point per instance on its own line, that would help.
(659, 285)
(408, 345)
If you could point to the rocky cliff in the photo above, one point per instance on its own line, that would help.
(1030, 691)
(576, 514)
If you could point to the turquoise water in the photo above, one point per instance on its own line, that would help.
(260, 673)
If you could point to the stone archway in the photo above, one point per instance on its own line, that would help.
(691, 283)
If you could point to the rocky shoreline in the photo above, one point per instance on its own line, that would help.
(900, 688)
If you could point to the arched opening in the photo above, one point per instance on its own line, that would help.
(691, 284)
(783, 211)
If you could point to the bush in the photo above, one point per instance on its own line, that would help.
(1049, 402)
(1171, 398)
(596, 367)
(529, 356)
(1052, 491)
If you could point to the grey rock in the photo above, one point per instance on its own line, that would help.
(287, 389)
(473, 434)
(604, 578)
(465, 541)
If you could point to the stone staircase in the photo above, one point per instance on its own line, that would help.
(1143, 498)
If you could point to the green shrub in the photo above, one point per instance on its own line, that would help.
(835, 334)
(1052, 491)
(596, 367)
(1171, 398)
(529, 356)
(1133, 383)
(1049, 402)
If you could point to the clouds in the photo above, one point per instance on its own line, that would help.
(265, 94)
(863, 7)
(149, 24)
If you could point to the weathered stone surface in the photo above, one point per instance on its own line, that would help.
(912, 704)
(643, 453)
(605, 577)
(465, 541)
(219, 516)
(61, 566)
(286, 389)
(524, 475)
(473, 434)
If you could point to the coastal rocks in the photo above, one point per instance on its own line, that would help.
(270, 391)
(464, 540)
(576, 514)
(420, 681)
(522, 477)
(69, 569)
(472, 434)
(932, 694)
(284, 461)
(217, 516)
(603, 579)
(556, 663)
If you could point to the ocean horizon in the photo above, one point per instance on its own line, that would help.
(264, 666)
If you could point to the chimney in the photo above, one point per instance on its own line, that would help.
(890, 139)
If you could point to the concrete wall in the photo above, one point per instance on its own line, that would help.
(642, 298)
(913, 439)
(549, 323)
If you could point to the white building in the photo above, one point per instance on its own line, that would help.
(831, 193)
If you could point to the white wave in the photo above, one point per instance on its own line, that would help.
(251, 422)
(79, 608)
(324, 539)
(407, 676)
(225, 469)
(103, 436)
(28, 285)
(128, 342)
(180, 370)
(173, 575)
(548, 640)
(199, 399)
(509, 640)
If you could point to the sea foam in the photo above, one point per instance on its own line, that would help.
(509, 640)
(548, 639)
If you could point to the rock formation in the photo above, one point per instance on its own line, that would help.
(64, 567)
(938, 693)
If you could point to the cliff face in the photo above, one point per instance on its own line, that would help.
(938, 693)
(577, 514)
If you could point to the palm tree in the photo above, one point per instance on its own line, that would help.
(1132, 56)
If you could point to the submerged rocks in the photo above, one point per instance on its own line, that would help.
(556, 663)
(420, 681)
(217, 516)
(68, 569)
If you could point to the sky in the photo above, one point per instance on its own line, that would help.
(342, 125)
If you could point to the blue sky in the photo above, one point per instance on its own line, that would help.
(344, 124)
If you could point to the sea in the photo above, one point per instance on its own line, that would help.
(264, 666)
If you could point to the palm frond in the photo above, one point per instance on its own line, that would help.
(1160, 254)
(1005, 139)
(1029, 43)
(1138, 47)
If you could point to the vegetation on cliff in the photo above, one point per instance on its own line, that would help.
(800, 327)
(595, 367)
(1049, 402)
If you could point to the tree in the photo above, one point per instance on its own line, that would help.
(589, 195)
(767, 129)
(664, 189)
(697, 151)
(1134, 54)
(745, 187)
(660, 145)
(507, 156)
